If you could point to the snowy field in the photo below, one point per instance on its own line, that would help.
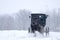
(24, 35)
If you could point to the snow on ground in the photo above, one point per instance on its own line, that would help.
(24, 35)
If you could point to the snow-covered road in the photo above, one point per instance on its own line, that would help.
(24, 35)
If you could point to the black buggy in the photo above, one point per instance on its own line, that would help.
(38, 22)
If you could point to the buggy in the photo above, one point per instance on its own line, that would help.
(38, 22)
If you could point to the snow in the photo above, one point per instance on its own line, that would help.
(24, 35)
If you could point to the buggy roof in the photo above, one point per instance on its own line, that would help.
(37, 14)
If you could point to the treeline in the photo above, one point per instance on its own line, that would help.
(18, 21)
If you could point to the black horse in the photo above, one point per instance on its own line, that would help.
(38, 22)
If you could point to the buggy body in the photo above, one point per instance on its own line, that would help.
(38, 22)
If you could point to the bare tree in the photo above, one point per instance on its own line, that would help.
(22, 19)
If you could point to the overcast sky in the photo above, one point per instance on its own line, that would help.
(12, 6)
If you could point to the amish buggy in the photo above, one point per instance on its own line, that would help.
(38, 22)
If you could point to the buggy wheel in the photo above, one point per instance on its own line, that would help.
(47, 31)
(29, 30)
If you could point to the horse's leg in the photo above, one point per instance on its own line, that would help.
(41, 30)
(33, 31)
